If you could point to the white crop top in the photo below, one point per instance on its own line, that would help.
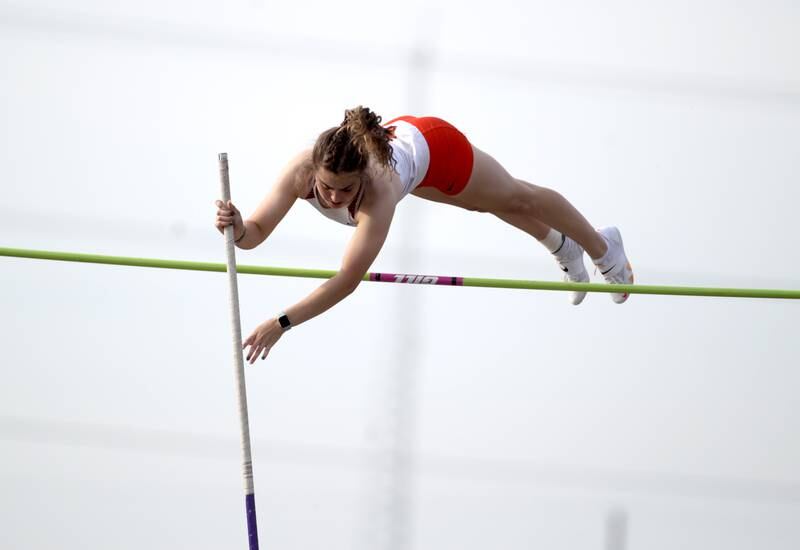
(412, 157)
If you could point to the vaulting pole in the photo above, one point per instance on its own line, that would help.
(238, 363)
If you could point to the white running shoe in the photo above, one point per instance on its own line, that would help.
(570, 260)
(617, 269)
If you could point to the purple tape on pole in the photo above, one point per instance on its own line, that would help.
(252, 530)
(416, 279)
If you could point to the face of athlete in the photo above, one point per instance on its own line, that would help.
(337, 190)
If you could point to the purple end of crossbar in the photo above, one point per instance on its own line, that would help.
(252, 530)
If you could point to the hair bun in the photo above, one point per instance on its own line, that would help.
(360, 120)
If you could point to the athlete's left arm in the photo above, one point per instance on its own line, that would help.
(374, 220)
(366, 242)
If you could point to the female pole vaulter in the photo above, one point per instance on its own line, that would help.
(358, 171)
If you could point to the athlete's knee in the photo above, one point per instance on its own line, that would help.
(524, 200)
(528, 207)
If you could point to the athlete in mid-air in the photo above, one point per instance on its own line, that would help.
(358, 171)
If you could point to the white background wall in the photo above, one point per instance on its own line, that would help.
(677, 122)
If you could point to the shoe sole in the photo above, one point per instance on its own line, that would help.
(577, 296)
(626, 295)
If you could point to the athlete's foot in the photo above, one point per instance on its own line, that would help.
(570, 259)
(615, 266)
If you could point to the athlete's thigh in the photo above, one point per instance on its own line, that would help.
(433, 194)
(490, 187)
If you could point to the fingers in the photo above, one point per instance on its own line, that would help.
(226, 206)
(252, 356)
(224, 221)
(255, 349)
(221, 223)
(252, 345)
(252, 353)
(226, 210)
(260, 343)
(227, 214)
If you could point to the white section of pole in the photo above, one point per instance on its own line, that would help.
(236, 330)
(238, 360)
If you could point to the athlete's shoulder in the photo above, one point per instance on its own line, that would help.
(381, 174)
(298, 172)
(381, 186)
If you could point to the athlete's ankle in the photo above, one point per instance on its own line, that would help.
(554, 241)
(608, 255)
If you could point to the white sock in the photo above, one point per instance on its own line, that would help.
(554, 241)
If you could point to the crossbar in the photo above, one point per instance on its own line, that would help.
(407, 278)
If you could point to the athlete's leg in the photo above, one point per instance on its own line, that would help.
(531, 226)
(567, 253)
(536, 210)
(526, 206)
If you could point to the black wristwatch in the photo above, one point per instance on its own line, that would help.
(284, 321)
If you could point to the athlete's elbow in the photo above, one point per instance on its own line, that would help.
(349, 282)
(352, 286)
(253, 235)
(261, 234)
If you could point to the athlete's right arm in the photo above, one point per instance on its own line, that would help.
(280, 198)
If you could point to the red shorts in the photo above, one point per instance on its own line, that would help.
(451, 154)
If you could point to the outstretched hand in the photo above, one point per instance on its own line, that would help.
(262, 339)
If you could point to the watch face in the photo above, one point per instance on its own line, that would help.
(284, 321)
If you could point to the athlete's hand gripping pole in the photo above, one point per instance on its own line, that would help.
(236, 329)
